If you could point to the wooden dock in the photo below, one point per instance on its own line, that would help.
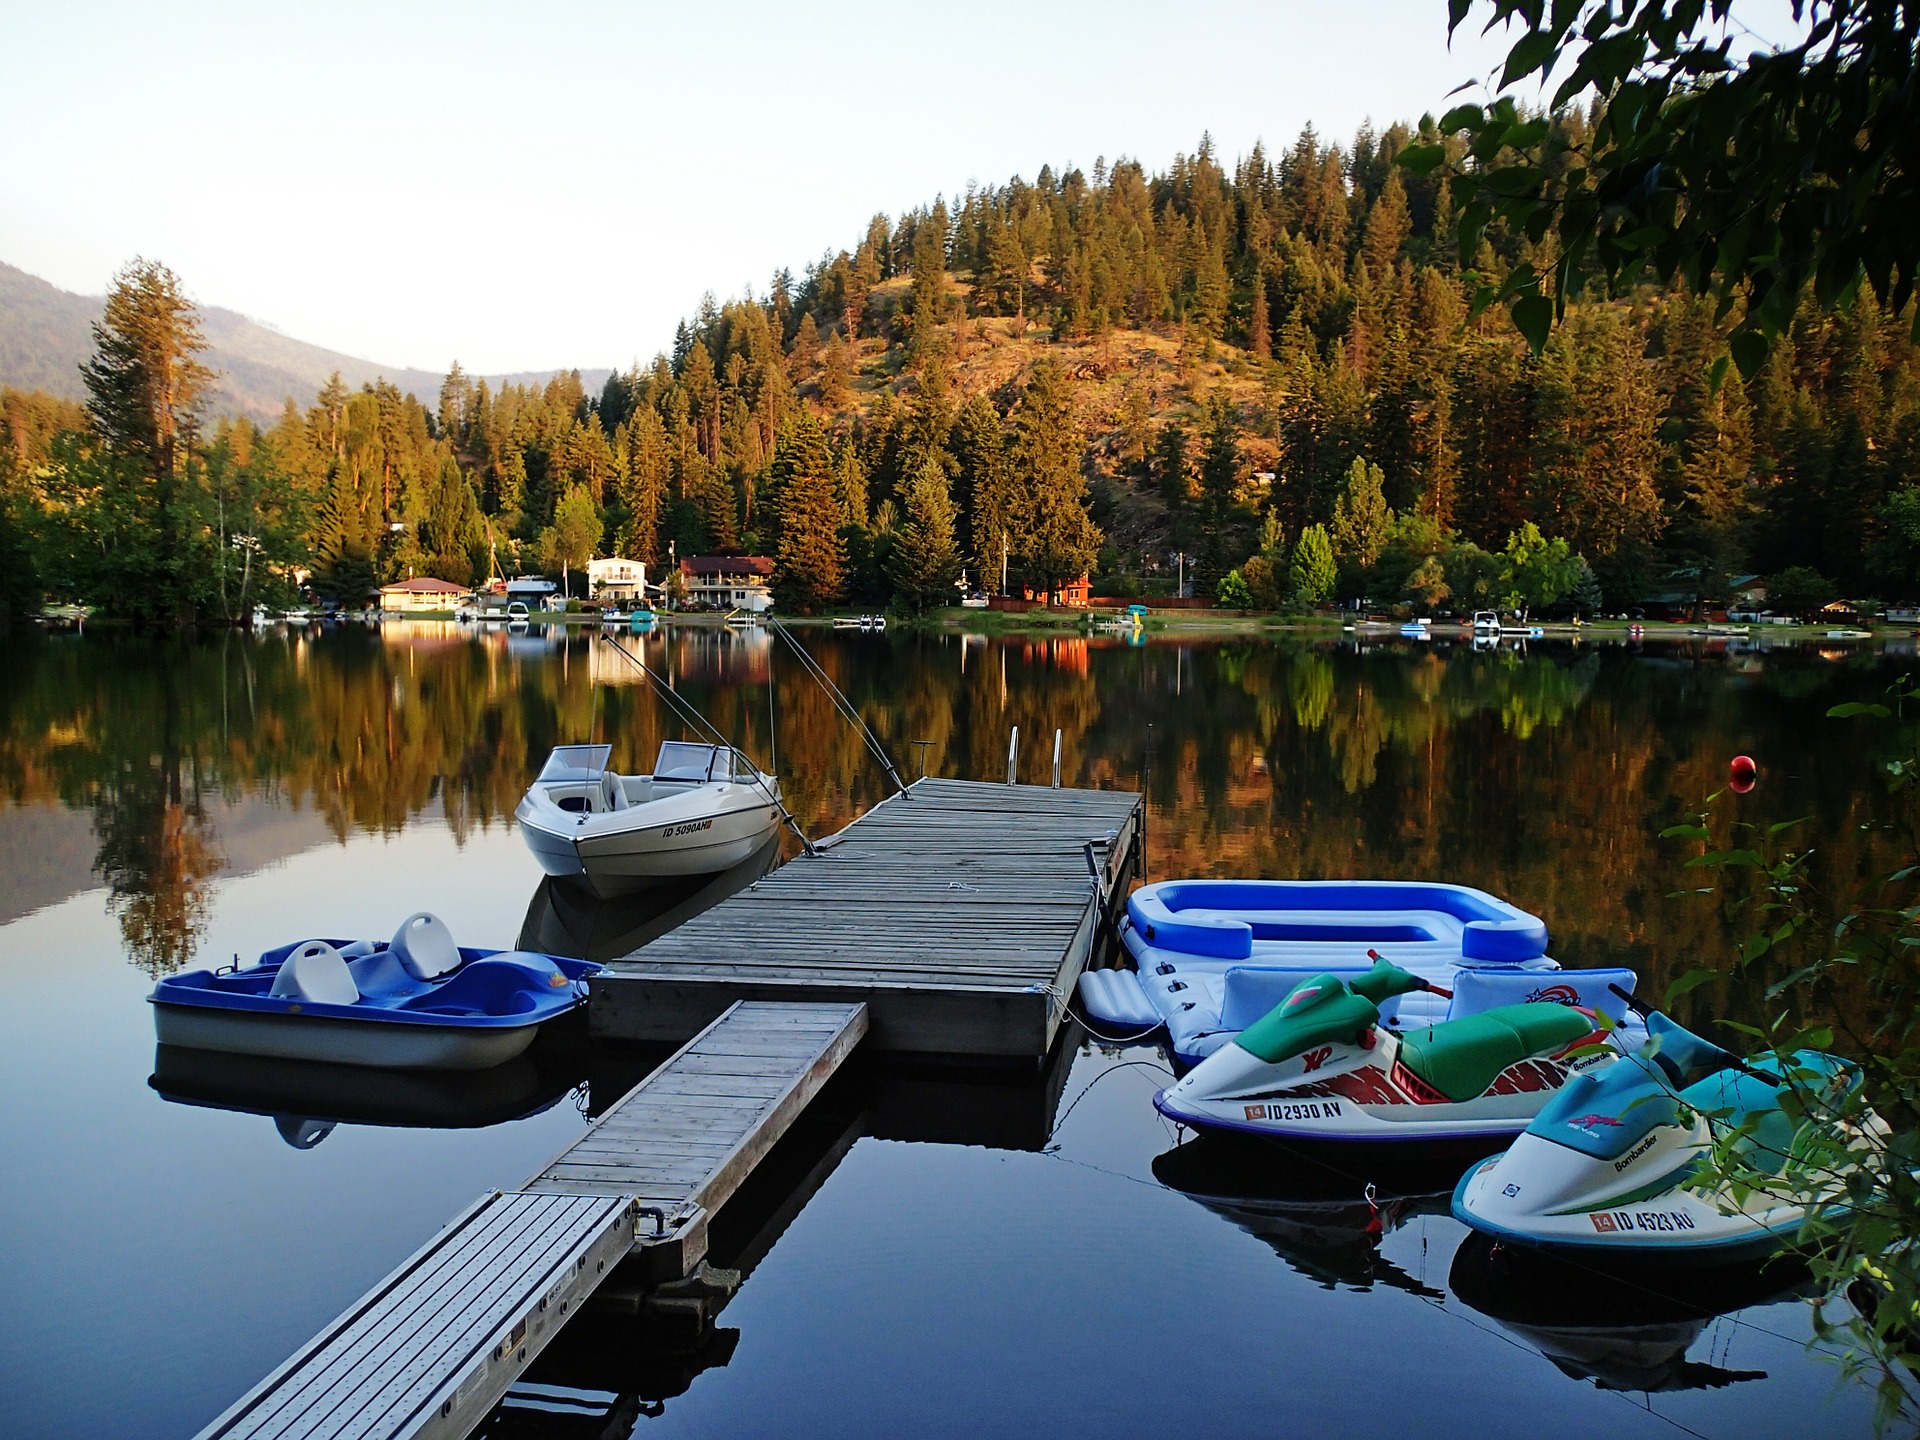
(950, 920)
(960, 913)
(429, 1350)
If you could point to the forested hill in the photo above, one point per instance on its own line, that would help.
(1268, 368)
(45, 334)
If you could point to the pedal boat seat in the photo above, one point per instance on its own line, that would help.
(315, 974)
(424, 947)
(1461, 1058)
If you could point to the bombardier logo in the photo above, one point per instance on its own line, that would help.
(1632, 1155)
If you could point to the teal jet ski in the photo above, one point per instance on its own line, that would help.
(1617, 1162)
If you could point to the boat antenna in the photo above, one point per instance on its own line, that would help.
(842, 704)
(700, 725)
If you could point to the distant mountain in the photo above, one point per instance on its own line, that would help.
(45, 334)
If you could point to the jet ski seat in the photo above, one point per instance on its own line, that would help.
(1461, 1058)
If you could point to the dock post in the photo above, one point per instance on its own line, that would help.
(1056, 759)
(1013, 755)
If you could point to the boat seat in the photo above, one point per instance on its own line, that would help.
(613, 796)
(1461, 1058)
(315, 973)
(424, 947)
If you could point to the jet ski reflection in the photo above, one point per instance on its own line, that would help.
(1622, 1333)
(307, 1099)
(1326, 1222)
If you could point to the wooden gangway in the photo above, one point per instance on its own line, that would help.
(429, 1350)
(961, 913)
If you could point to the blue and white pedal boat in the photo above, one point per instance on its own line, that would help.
(1210, 957)
(417, 1002)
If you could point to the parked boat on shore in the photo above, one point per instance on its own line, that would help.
(418, 1001)
(703, 809)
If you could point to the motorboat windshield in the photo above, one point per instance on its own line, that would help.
(575, 764)
(683, 760)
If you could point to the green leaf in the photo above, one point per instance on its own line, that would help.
(1688, 981)
(1854, 707)
(1684, 832)
(1533, 318)
(1749, 349)
(1529, 53)
(1462, 117)
(1421, 159)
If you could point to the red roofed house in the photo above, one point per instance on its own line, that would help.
(423, 593)
(729, 582)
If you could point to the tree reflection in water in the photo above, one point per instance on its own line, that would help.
(1544, 776)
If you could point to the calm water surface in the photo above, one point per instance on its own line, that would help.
(934, 1252)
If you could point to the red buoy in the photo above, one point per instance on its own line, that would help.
(1743, 774)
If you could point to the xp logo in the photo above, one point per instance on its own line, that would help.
(1314, 1059)
(1592, 1123)
(1555, 995)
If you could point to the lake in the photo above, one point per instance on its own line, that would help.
(935, 1250)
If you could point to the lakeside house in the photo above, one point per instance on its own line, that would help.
(423, 592)
(1073, 594)
(616, 578)
(729, 582)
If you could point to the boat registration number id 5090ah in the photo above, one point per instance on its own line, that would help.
(688, 828)
(1295, 1110)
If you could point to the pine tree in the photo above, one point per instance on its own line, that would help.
(925, 564)
(836, 376)
(1053, 535)
(810, 565)
(145, 388)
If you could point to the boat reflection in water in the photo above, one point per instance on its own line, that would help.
(1325, 1217)
(306, 1099)
(567, 919)
(1622, 1333)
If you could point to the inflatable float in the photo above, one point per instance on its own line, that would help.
(1211, 957)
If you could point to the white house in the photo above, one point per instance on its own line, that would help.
(422, 592)
(617, 579)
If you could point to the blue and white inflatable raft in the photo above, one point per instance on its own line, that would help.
(1212, 956)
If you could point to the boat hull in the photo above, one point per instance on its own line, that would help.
(340, 1042)
(617, 853)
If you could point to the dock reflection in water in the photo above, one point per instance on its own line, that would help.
(622, 1362)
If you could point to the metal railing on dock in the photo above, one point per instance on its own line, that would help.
(429, 1350)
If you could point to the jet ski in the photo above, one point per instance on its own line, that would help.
(1617, 1162)
(1321, 1066)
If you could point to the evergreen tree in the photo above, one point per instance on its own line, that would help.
(1361, 522)
(145, 389)
(810, 565)
(925, 564)
(1054, 538)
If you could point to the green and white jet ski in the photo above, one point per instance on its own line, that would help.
(1616, 1163)
(1320, 1066)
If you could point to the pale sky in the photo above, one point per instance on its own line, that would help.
(534, 185)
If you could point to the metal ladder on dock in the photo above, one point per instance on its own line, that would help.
(429, 1350)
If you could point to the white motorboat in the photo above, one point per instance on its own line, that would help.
(704, 809)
